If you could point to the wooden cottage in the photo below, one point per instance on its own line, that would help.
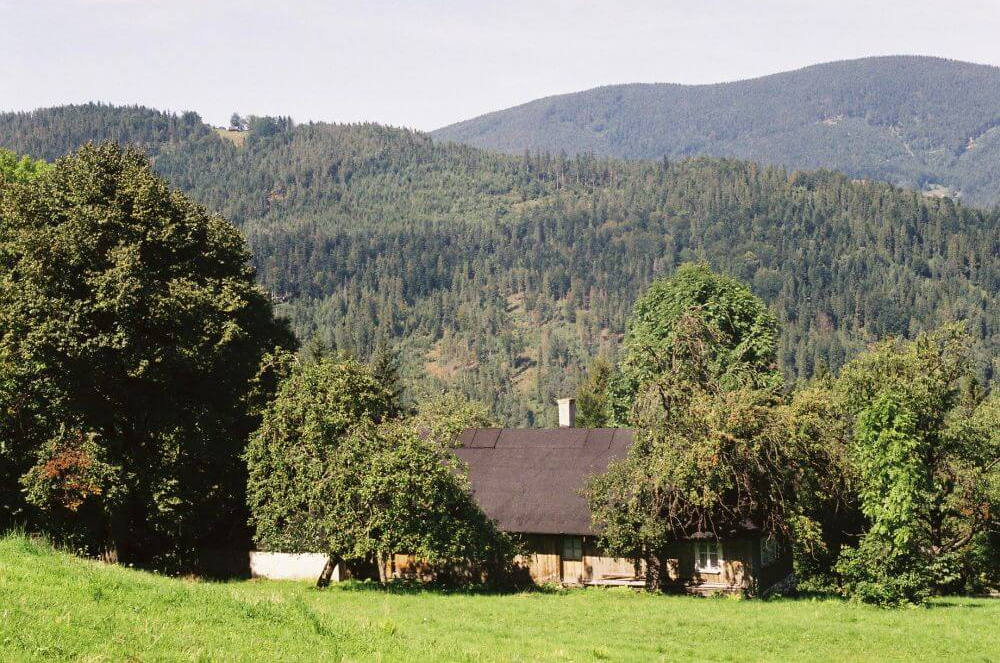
(530, 482)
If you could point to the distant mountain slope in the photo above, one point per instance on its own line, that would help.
(915, 121)
(503, 275)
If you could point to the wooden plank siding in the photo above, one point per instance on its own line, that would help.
(542, 559)
(545, 563)
(742, 571)
(741, 568)
(736, 574)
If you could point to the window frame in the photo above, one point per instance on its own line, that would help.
(720, 559)
(770, 551)
(572, 544)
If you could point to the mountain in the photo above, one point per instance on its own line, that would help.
(921, 122)
(503, 275)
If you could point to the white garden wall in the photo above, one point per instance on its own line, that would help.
(289, 566)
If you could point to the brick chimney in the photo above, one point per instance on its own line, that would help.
(567, 412)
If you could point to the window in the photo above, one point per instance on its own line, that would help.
(769, 551)
(572, 549)
(708, 557)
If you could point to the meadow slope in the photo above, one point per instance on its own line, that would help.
(58, 607)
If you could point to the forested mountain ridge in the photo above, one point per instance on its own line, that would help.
(503, 275)
(921, 122)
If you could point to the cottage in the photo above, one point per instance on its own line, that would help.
(530, 482)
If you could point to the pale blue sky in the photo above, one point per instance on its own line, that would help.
(427, 64)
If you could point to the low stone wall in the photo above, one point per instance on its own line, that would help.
(289, 566)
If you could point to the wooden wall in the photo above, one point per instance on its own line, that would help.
(741, 568)
(546, 565)
(737, 567)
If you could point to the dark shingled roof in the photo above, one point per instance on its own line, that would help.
(530, 479)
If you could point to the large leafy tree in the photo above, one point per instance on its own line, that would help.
(709, 458)
(717, 447)
(317, 405)
(735, 334)
(393, 490)
(331, 471)
(130, 330)
(926, 454)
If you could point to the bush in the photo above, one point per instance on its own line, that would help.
(871, 576)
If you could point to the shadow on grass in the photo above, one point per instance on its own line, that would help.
(414, 587)
(955, 602)
(935, 603)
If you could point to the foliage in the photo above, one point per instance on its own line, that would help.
(731, 335)
(927, 462)
(715, 451)
(501, 277)
(827, 514)
(443, 416)
(889, 455)
(390, 490)
(711, 464)
(130, 329)
(592, 395)
(914, 121)
(20, 169)
(384, 363)
(871, 574)
(329, 470)
(290, 456)
(71, 468)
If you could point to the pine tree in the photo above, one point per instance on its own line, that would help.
(385, 367)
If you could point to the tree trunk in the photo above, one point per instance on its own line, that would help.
(382, 575)
(652, 573)
(327, 574)
(656, 573)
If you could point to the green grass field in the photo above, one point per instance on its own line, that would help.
(54, 606)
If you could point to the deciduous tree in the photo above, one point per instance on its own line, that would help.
(130, 329)
(927, 461)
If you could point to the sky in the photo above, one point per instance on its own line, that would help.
(427, 64)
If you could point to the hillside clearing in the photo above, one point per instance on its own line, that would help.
(58, 607)
(237, 138)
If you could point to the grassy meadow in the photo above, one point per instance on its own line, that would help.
(54, 606)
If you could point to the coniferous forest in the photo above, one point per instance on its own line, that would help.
(505, 276)
(923, 122)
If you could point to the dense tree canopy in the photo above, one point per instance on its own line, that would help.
(130, 330)
(927, 462)
(14, 168)
(503, 276)
(884, 478)
(331, 471)
(916, 121)
(735, 334)
(317, 405)
(714, 452)
(390, 490)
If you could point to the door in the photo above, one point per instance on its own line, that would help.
(572, 560)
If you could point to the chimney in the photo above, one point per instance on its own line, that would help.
(567, 412)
